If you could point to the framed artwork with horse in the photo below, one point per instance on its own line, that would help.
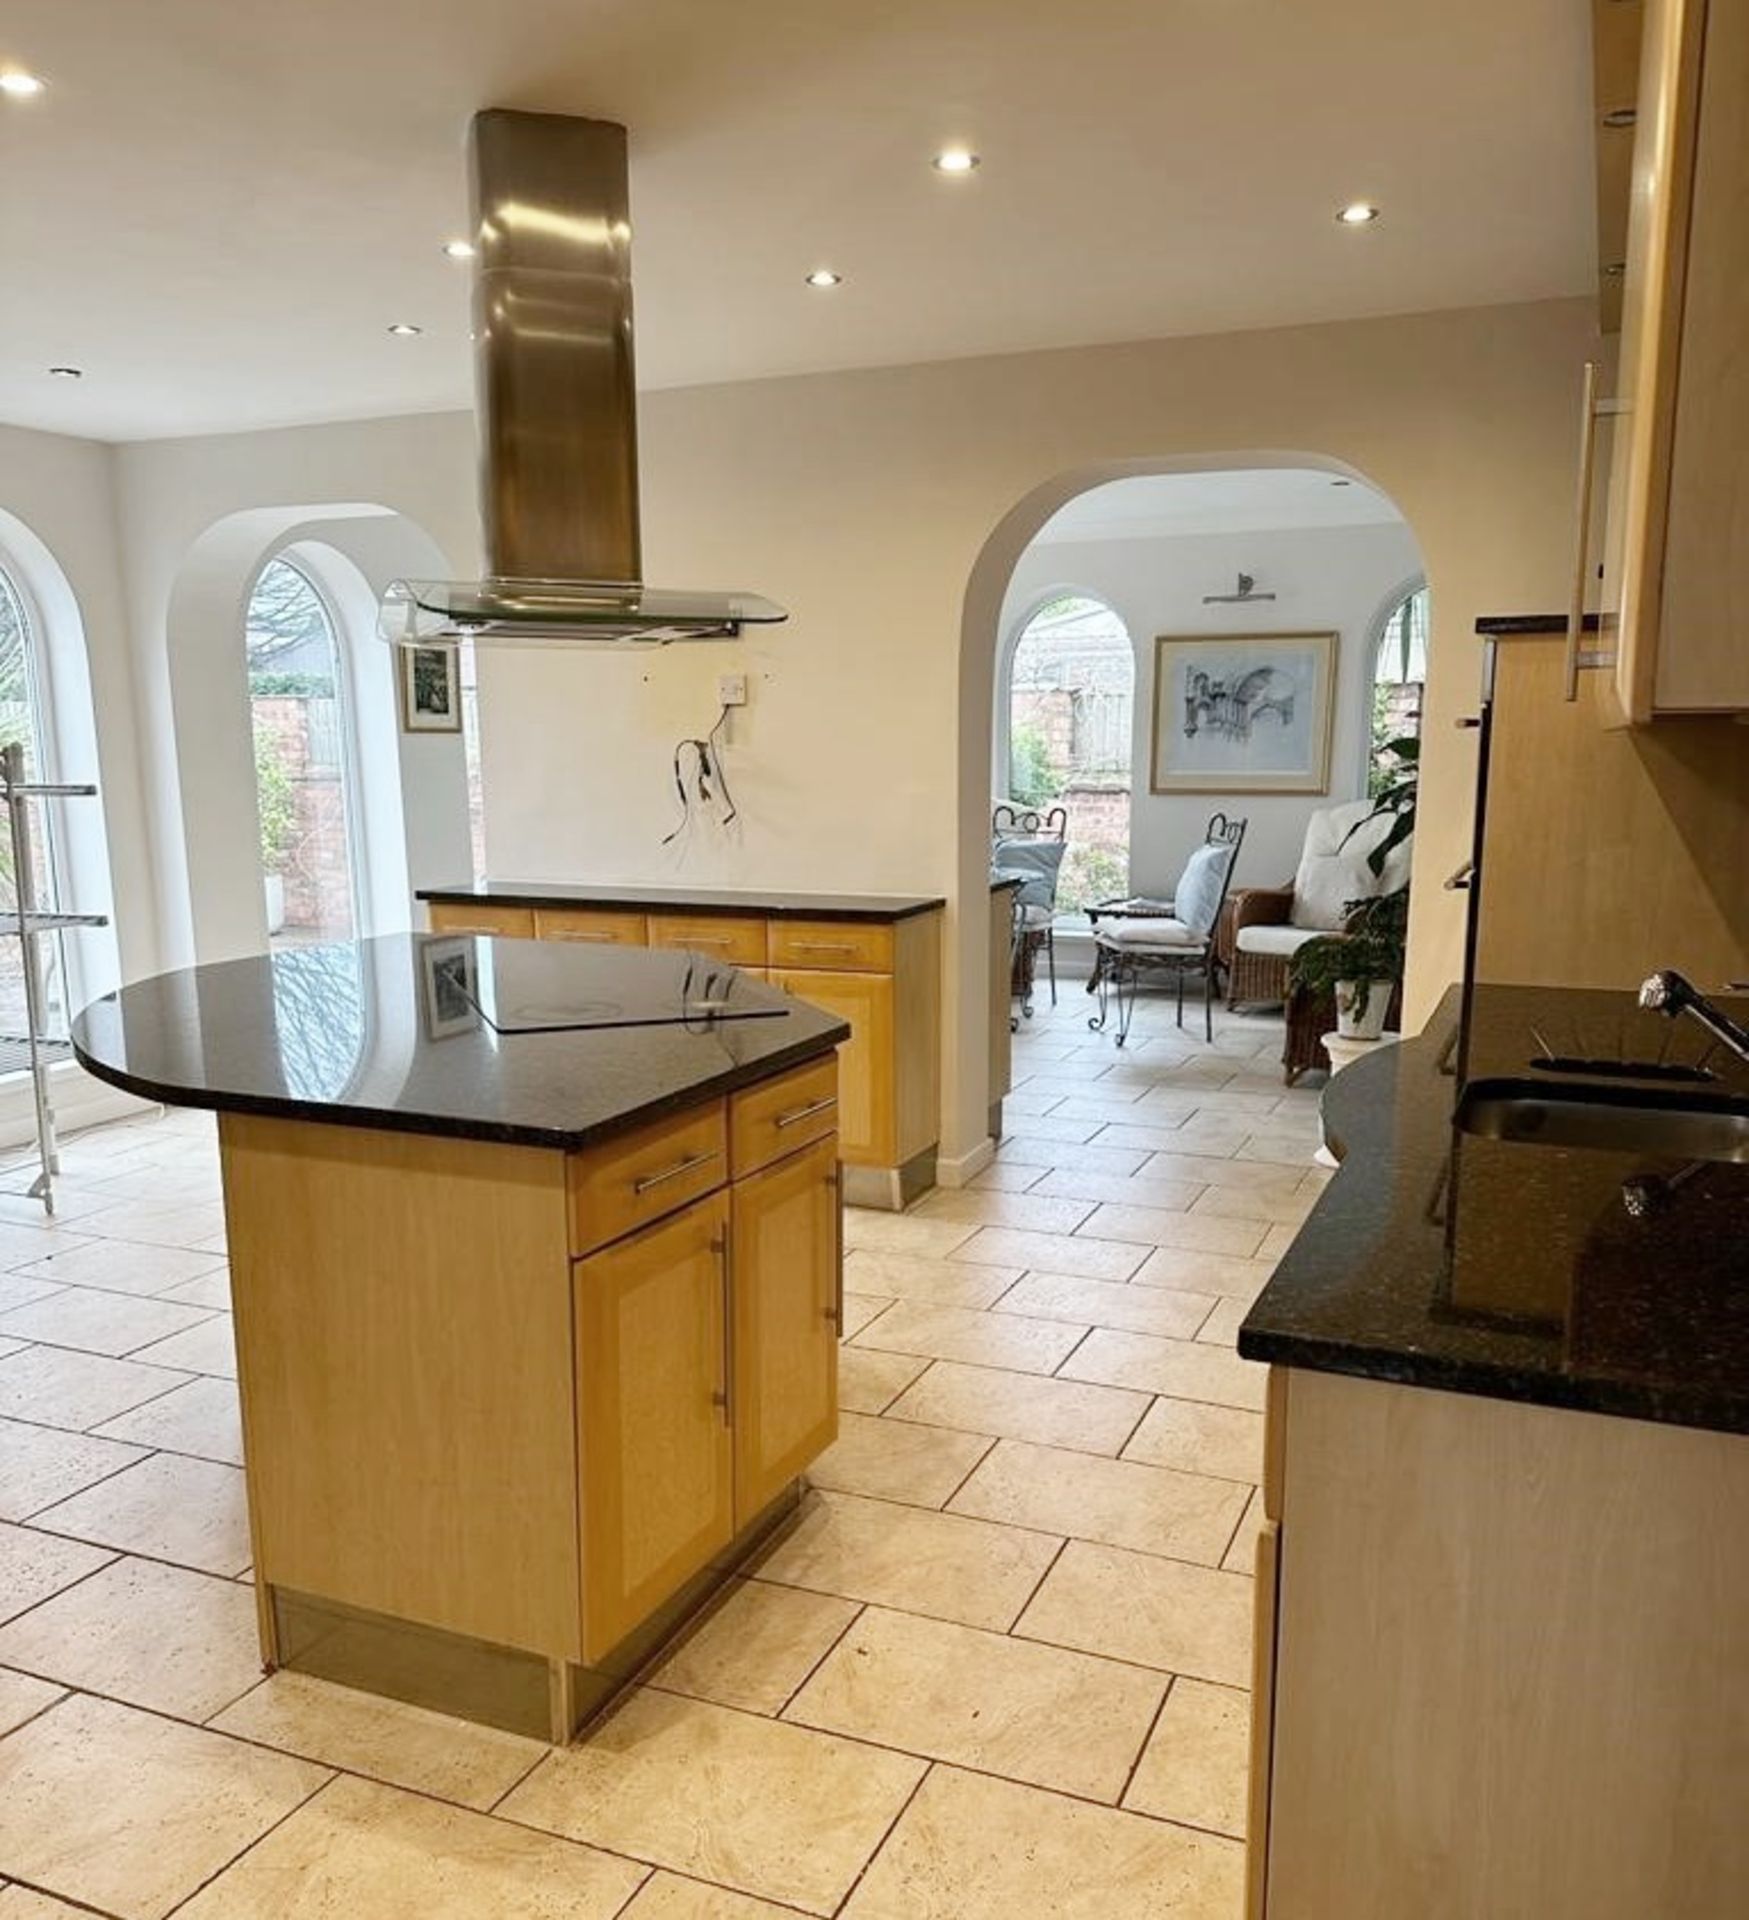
(1243, 712)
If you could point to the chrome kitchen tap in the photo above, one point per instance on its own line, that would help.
(1671, 993)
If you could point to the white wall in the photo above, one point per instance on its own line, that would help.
(887, 508)
(1339, 579)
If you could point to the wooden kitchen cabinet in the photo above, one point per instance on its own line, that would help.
(509, 923)
(738, 939)
(655, 1451)
(787, 1309)
(1678, 518)
(867, 1107)
(596, 927)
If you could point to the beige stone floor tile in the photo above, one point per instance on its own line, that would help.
(860, 1309)
(1121, 1190)
(1245, 1176)
(1278, 1239)
(360, 1849)
(1138, 1606)
(35, 1565)
(1196, 1769)
(23, 1245)
(158, 1637)
(1165, 1135)
(1118, 1502)
(119, 1267)
(1156, 1227)
(211, 1289)
(1027, 1100)
(168, 1507)
(130, 1813)
(97, 1322)
(1110, 1303)
(59, 1387)
(1196, 1437)
(21, 1903)
(764, 1808)
(1186, 1369)
(404, 1746)
(1221, 1328)
(1036, 1213)
(201, 1418)
(1054, 1252)
(1241, 1555)
(973, 1848)
(1274, 1205)
(1022, 1406)
(9, 1346)
(864, 1228)
(911, 1558)
(1023, 1344)
(1226, 1274)
(869, 1381)
(208, 1348)
(18, 1291)
(188, 1225)
(757, 1647)
(1280, 1149)
(983, 1700)
(40, 1465)
(1021, 1148)
(666, 1896)
(1006, 1176)
(905, 1276)
(22, 1697)
(897, 1460)
(1184, 1100)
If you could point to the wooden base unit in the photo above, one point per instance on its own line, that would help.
(1510, 1654)
(503, 1404)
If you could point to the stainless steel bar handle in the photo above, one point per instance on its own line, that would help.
(595, 939)
(692, 1161)
(1459, 882)
(726, 1398)
(795, 1118)
(824, 946)
(835, 1312)
(1582, 534)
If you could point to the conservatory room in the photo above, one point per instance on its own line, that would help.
(873, 920)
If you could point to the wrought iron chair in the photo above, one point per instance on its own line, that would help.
(1031, 842)
(1177, 935)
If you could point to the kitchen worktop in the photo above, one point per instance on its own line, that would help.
(451, 1034)
(1513, 1269)
(750, 900)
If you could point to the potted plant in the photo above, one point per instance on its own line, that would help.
(278, 809)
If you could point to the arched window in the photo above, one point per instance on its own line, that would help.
(22, 722)
(1399, 680)
(1070, 702)
(297, 707)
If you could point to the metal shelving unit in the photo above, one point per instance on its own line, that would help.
(35, 1050)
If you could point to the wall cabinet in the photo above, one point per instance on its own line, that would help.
(1678, 504)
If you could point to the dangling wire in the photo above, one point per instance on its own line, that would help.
(699, 774)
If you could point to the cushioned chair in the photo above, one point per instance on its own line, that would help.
(1176, 935)
(1031, 844)
(1267, 926)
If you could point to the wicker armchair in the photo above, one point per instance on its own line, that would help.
(1256, 979)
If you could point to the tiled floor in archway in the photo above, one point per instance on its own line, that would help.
(997, 1670)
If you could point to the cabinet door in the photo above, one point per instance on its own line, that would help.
(595, 926)
(467, 916)
(652, 1392)
(867, 1108)
(787, 1308)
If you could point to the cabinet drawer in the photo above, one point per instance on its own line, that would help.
(778, 1116)
(459, 916)
(643, 1175)
(849, 946)
(597, 925)
(740, 940)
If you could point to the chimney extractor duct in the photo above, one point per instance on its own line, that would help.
(557, 403)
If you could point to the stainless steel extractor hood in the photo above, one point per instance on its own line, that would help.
(557, 402)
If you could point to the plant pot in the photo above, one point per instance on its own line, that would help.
(273, 884)
(1361, 1015)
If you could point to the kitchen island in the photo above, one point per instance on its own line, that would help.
(536, 1267)
(1502, 1646)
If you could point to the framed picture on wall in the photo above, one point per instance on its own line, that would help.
(1243, 712)
(448, 970)
(431, 689)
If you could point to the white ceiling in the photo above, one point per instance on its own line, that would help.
(1160, 506)
(218, 206)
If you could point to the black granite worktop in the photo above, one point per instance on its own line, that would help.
(537, 1043)
(1504, 625)
(1515, 1269)
(751, 900)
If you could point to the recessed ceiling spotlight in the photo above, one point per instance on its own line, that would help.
(67, 373)
(825, 277)
(404, 330)
(459, 249)
(19, 85)
(1358, 213)
(955, 160)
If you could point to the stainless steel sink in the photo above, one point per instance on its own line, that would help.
(1682, 1133)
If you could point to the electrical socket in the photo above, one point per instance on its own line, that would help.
(732, 689)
